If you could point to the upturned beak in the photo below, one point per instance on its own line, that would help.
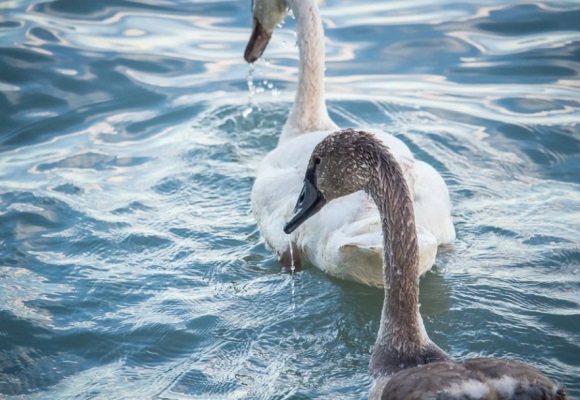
(309, 203)
(257, 43)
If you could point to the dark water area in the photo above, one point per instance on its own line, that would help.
(130, 263)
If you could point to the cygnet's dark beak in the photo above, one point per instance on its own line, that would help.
(309, 203)
(257, 43)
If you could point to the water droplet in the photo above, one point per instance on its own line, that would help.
(250, 82)
(292, 269)
(247, 112)
(292, 266)
(251, 89)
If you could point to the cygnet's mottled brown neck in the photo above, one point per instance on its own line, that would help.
(308, 113)
(401, 333)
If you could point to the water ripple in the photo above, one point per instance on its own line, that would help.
(131, 265)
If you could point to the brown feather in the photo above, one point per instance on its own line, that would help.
(405, 363)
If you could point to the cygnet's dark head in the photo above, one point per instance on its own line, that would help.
(340, 165)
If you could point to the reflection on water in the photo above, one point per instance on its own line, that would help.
(130, 263)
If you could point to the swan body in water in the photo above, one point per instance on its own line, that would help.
(405, 363)
(344, 239)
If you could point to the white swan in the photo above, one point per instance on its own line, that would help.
(344, 239)
(405, 363)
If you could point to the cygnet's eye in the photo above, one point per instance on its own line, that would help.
(317, 161)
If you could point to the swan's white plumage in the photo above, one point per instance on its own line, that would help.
(344, 239)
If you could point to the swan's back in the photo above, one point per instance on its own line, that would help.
(478, 378)
(345, 239)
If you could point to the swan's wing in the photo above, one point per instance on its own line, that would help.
(354, 251)
(277, 187)
(440, 380)
(344, 239)
(432, 203)
(476, 378)
(513, 378)
(272, 198)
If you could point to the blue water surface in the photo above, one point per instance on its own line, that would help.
(130, 264)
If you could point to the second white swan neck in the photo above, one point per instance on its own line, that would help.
(308, 113)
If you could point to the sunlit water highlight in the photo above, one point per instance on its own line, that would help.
(130, 265)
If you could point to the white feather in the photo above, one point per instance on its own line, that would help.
(345, 238)
(471, 389)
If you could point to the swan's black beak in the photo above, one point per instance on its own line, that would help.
(310, 201)
(257, 43)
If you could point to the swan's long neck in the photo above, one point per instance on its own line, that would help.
(309, 113)
(401, 331)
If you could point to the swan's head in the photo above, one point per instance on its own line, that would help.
(341, 164)
(267, 14)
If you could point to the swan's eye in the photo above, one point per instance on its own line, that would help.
(317, 161)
